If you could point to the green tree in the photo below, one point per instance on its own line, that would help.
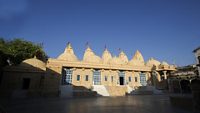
(17, 50)
(3, 55)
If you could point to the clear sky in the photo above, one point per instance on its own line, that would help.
(167, 30)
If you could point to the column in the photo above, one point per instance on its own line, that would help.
(165, 74)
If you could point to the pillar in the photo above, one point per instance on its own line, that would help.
(165, 74)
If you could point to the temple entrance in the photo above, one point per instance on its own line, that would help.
(66, 82)
(121, 80)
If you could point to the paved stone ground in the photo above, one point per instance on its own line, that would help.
(128, 104)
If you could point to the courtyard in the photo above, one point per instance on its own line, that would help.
(126, 104)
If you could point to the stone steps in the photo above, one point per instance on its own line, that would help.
(116, 90)
(101, 90)
(146, 90)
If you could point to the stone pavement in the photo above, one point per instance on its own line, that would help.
(128, 104)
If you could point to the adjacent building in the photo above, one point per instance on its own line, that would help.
(197, 55)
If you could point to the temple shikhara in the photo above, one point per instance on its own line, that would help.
(107, 75)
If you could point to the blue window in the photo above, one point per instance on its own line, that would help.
(78, 78)
(122, 74)
(97, 77)
(67, 76)
(143, 81)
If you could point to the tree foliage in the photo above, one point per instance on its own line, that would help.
(17, 50)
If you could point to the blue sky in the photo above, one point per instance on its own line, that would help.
(167, 30)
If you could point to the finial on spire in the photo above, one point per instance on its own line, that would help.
(69, 45)
(87, 44)
(105, 47)
(119, 49)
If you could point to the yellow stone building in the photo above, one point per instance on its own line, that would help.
(94, 75)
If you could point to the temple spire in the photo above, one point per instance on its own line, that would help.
(68, 54)
(137, 51)
(69, 45)
(138, 56)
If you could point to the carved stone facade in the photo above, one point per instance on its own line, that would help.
(115, 73)
(69, 76)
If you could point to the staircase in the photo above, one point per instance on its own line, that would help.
(116, 90)
(146, 90)
(101, 90)
(130, 89)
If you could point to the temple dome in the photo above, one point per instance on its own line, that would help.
(33, 62)
(123, 57)
(68, 54)
(152, 62)
(89, 56)
(106, 56)
(164, 63)
(137, 59)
